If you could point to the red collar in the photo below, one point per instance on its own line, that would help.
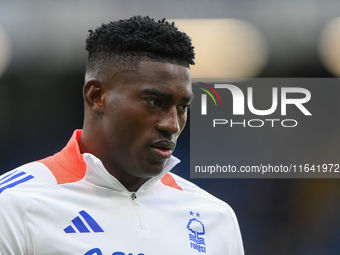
(67, 165)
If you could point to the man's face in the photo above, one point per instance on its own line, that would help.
(145, 112)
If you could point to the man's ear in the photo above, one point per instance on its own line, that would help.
(94, 95)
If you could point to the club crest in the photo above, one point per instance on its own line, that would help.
(197, 231)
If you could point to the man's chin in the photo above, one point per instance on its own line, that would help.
(154, 169)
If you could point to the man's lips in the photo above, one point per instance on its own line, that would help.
(163, 148)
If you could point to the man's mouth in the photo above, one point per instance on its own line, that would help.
(163, 148)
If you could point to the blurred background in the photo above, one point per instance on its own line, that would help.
(42, 62)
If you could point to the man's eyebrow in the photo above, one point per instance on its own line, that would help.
(157, 93)
(190, 98)
(163, 95)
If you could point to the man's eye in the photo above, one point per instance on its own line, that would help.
(183, 107)
(154, 101)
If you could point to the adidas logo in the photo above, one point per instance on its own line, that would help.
(83, 224)
(13, 179)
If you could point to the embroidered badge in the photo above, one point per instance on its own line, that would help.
(197, 229)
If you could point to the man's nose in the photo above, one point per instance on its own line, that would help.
(169, 121)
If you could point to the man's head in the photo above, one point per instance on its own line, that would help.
(136, 94)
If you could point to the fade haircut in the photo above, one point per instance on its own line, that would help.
(124, 43)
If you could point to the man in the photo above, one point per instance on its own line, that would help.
(109, 191)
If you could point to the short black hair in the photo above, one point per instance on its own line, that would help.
(138, 38)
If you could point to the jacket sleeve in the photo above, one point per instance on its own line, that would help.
(12, 215)
(238, 237)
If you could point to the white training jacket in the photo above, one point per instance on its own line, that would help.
(69, 204)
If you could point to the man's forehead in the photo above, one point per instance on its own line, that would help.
(161, 68)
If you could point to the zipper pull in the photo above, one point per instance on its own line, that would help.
(133, 196)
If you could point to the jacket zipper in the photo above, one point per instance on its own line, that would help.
(139, 211)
